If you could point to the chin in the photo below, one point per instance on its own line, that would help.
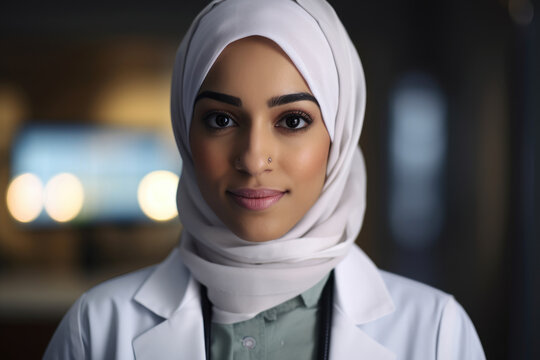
(256, 237)
(257, 232)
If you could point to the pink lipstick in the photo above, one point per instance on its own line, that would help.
(256, 199)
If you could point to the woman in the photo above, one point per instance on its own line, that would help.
(267, 106)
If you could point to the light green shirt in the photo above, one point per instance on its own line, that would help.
(286, 331)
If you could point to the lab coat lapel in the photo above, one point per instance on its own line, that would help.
(179, 337)
(360, 297)
(171, 293)
(350, 342)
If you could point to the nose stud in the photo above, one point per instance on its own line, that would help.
(269, 159)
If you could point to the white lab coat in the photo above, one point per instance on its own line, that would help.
(155, 313)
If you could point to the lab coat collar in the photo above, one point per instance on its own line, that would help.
(165, 288)
(361, 297)
(360, 290)
(171, 293)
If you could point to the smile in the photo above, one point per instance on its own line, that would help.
(256, 199)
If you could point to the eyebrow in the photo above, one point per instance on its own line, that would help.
(232, 100)
(289, 98)
(275, 101)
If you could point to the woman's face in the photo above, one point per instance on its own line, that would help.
(258, 141)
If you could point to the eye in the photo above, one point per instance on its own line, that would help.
(295, 121)
(219, 120)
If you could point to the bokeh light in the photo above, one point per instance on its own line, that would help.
(64, 197)
(157, 195)
(25, 197)
(417, 157)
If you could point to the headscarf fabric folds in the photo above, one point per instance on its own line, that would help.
(244, 278)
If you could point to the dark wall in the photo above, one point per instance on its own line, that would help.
(482, 57)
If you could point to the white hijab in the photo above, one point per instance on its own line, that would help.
(244, 278)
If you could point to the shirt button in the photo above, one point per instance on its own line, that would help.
(248, 342)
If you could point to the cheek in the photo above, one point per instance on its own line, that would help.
(210, 161)
(309, 166)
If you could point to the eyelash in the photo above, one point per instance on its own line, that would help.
(207, 118)
(283, 117)
(298, 113)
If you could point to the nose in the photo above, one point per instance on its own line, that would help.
(254, 151)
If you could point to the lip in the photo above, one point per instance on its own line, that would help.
(256, 199)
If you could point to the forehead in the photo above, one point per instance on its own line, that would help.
(254, 64)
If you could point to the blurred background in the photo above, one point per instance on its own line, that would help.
(88, 164)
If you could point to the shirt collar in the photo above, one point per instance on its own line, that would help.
(311, 296)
